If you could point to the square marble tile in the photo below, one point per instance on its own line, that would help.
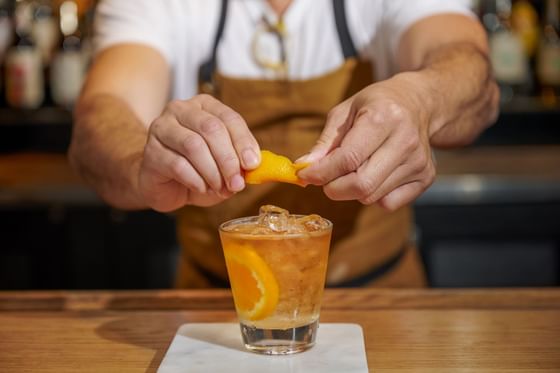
(217, 347)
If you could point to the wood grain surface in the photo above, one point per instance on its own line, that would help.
(405, 330)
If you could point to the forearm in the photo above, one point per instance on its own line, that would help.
(106, 149)
(458, 92)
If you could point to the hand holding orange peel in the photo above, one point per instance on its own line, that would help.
(275, 167)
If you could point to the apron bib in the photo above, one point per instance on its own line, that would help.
(370, 246)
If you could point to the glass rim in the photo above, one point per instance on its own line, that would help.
(282, 235)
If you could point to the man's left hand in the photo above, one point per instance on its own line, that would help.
(375, 146)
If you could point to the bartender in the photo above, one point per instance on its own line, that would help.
(183, 94)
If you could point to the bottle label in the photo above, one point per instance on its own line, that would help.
(548, 65)
(508, 58)
(24, 78)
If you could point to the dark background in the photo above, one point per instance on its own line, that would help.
(475, 229)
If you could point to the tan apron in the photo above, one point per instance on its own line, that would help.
(369, 245)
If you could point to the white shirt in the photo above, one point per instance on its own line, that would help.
(183, 32)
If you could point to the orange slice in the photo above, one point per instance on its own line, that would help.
(275, 167)
(254, 287)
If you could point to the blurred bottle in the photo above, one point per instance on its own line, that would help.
(23, 67)
(525, 23)
(67, 68)
(548, 60)
(5, 38)
(509, 60)
(45, 35)
(45, 30)
(5, 27)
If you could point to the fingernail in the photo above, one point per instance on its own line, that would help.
(302, 159)
(250, 158)
(308, 158)
(224, 193)
(236, 183)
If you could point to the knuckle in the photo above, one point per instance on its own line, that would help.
(210, 126)
(230, 116)
(395, 111)
(410, 141)
(368, 201)
(230, 163)
(157, 125)
(371, 115)
(178, 167)
(384, 113)
(175, 106)
(364, 188)
(351, 160)
(420, 163)
(193, 143)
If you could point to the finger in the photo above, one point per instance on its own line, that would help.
(244, 142)
(370, 176)
(161, 159)
(367, 134)
(402, 195)
(218, 139)
(337, 124)
(419, 167)
(192, 115)
(402, 175)
(193, 147)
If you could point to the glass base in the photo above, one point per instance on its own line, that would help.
(279, 341)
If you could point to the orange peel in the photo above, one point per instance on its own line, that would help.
(277, 168)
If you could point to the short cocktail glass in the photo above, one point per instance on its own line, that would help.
(277, 264)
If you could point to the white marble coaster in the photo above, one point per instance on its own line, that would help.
(217, 347)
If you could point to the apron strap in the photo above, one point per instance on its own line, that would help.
(207, 69)
(346, 43)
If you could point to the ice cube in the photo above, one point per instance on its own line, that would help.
(294, 226)
(312, 223)
(274, 218)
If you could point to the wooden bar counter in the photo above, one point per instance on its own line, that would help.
(496, 330)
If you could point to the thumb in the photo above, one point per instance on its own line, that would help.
(337, 124)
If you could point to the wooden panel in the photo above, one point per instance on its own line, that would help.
(404, 340)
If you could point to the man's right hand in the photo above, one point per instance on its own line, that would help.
(195, 155)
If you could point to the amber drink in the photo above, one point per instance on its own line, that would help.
(276, 265)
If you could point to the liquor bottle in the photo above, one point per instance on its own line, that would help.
(45, 30)
(548, 60)
(5, 39)
(5, 27)
(508, 58)
(67, 68)
(525, 23)
(23, 68)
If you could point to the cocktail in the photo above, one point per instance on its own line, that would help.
(276, 264)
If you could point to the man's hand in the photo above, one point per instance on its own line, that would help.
(195, 153)
(375, 146)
